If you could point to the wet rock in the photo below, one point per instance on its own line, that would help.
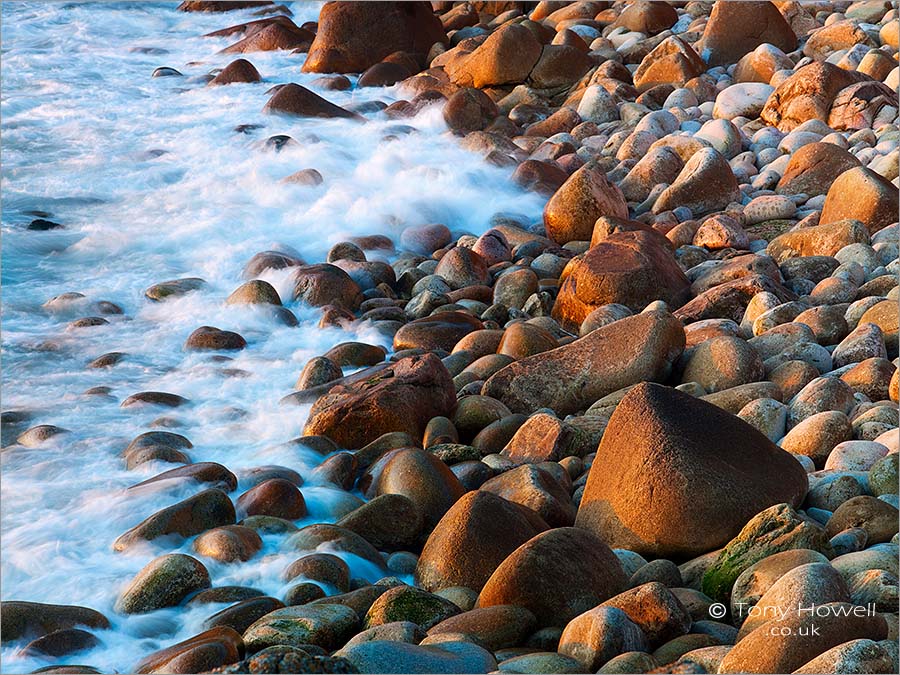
(173, 289)
(297, 101)
(269, 260)
(40, 434)
(585, 196)
(538, 576)
(309, 177)
(421, 477)
(472, 539)
(201, 653)
(323, 625)
(241, 615)
(228, 543)
(351, 38)
(163, 582)
(205, 510)
(237, 71)
(274, 497)
(469, 109)
(209, 338)
(326, 284)
(60, 643)
(388, 522)
(286, 659)
(688, 525)
(253, 293)
(322, 567)
(572, 377)
(318, 370)
(378, 656)
(627, 268)
(706, 183)
(33, 619)
(402, 397)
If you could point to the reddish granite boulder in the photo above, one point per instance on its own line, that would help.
(353, 36)
(675, 476)
(737, 28)
(628, 268)
(401, 397)
(587, 195)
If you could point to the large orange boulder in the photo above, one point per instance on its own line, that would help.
(575, 207)
(402, 397)
(861, 194)
(737, 28)
(675, 476)
(507, 57)
(628, 268)
(353, 36)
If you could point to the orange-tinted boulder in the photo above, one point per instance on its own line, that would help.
(586, 196)
(675, 476)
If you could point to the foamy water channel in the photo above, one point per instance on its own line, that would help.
(152, 183)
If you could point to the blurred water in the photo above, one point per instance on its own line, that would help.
(152, 183)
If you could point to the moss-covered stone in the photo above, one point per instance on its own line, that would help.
(164, 582)
(327, 626)
(778, 528)
(454, 453)
(407, 603)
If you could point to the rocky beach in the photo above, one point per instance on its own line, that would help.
(450, 337)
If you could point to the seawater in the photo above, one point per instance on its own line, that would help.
(152, 183)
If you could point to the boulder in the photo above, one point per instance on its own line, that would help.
(34, 619)
(163, 582)
(806, 95)
(773, 530)
(472, 539)
(201, 653)
(323, 625)
(353, 36)
(672, 61)
(586, 196)
(507, 56)
(734, 29)
(706, 183)
(237, 71)
(383, 656)
(571, 377)
(557, 575)
(813, 168)
(861, 194)
(401, 397)
(205, 510)
(660, 440)
(423, 478)
(817, 240)
(293, 99)
(626, 268)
